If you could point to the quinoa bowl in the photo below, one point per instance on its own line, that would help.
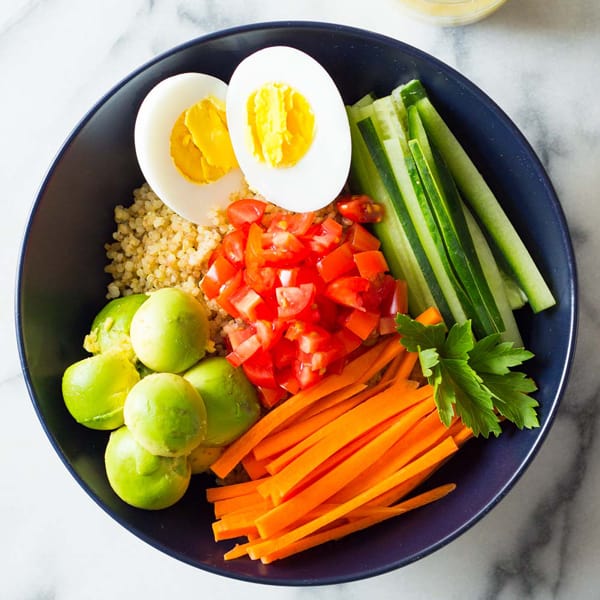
(96, 231)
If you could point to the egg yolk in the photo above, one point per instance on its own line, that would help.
(200, 144)
(281, 124)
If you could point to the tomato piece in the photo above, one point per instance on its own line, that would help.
(269, 332)
(269, 397)
(360, 209)
(323, 237)
(362, 323)
(282, 248)
(253, 254)
(370, 263)
(227, 290)
(287, 380)
(233, 246)
(321, 359)
(288, 276)
(313, 338)
(284, 353)
(244, 351)
(305, 374)
(291, 301)
(296, 223)
(247, 302)
(243, 212)
(349, 341)
(387, 325)
(236, 334)
(396, 299)
(360, 239)
(262, 280)
(260, 370)
(336, 263)
(219, 273)
(348, 291)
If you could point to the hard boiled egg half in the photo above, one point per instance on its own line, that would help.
(289, 128)
(183, 146)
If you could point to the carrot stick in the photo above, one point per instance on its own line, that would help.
(323, 488)
(236, 503)
(279, 463)
(283, 439)
(330, 401)
(392, 349)
(433, 457)
(345, 529)
(233, 489)
(254, 467)
(348, 427)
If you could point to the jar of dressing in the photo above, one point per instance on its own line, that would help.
(451, 12)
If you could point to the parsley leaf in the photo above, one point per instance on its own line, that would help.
(472, 379)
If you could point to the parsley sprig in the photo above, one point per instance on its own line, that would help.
(472, 379)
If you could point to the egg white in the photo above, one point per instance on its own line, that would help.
(319, 176)
(155, 119)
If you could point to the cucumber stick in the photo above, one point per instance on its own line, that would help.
(481, 199)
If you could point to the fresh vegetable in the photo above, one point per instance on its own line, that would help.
(405, 158)
(230, 399)
(472, 379)
(347, 464)
(307, 293)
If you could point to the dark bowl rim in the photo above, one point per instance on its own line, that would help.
(462, 80)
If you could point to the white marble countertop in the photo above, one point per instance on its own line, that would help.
(538, 59)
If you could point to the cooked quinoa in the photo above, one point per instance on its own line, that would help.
(153, 247)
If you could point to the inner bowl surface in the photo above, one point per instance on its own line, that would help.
(61, 286)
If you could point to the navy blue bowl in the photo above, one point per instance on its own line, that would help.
(61, 285)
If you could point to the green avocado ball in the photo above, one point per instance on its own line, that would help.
(165, 414)
(95, 388)
(231, 401)
(110, 328)
(142, 479)
(169, 332)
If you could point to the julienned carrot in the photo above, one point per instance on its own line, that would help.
(233, 489)
(345, 529)
(400, 386)
(236, 503)
(392, 349)
(352, 425)
(433, 457)
(351, 374)
(284, 515)
(362, 391)
(254, 467)
(283, 439)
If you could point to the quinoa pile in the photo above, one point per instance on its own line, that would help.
(153, 247)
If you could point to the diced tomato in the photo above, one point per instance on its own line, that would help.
(361, 240)
(394, 296)
(219, 273)
(287, 379)
(348, 340)
(362, 323)
(282, 248)
(360, 209)
(233, 246)
(236, 334)
(244, 351)
(296, 223)
(246, 211)
(260, 370)
(325, 236)
(247, 302)
(370, 263)
(253, 254)
(348, 291)
(269, 397)
(322, 359)
(291, 301)
(313, 338)
(336, 263)
(262, 280)
(227, 290)
(305, 374)
(284, 353)
(387, 325)
(269, 332)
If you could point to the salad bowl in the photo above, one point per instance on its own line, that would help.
(61, 284)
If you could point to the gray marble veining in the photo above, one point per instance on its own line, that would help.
(538, 59)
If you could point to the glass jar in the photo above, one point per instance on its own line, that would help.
(451, 12)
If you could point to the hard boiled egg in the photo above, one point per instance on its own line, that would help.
(183, 146)
(289, 128)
